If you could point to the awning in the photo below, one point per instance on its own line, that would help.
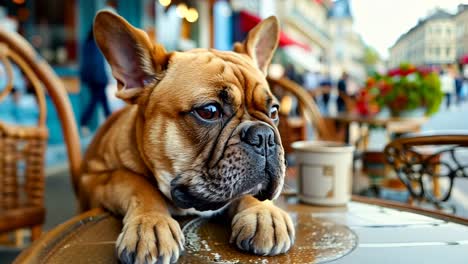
(249, 21)
(303, 58)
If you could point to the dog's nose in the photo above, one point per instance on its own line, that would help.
(260, 136)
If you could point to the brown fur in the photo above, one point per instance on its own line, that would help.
(146, 150)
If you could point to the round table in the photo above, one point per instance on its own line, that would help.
(392, 125)
(387, 232)
(349, 117)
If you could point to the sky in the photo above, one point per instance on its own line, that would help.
(381, 22)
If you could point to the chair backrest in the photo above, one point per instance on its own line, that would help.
(15, 49)
(421, 160)
(311, 112)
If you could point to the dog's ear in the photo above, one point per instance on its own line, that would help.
(135, 61)
(261, 43)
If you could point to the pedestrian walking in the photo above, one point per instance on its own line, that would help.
(464, 90)
(93, 73)
(447, 83)
(342, 87)
(458, 88)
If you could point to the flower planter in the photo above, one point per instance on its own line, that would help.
(383, 113)
(414, 113)
(401, 89)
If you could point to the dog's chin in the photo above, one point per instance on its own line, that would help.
(183, 199)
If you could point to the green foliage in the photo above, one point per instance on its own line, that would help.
(370, 59)
(406, 88)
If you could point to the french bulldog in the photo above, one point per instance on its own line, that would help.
(198, 136)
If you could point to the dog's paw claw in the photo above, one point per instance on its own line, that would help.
(150, 238)
(263, 230)
(127, 257)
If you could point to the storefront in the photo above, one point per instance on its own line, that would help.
(57, 29)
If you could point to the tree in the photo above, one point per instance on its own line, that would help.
(371, 60)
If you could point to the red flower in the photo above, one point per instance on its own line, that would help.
(399, 103)
(365, 108)
(370, 82)
(363, 94)
(408, 71)
(361, 107)
(402, 70)
(425, 70)
(384, 87)
(394, 72)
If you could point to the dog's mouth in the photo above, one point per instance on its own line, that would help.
(184, 198)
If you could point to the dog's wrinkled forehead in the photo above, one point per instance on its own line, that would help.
(229, 76)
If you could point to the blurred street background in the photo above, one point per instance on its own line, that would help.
(322, 43)
(320, 40)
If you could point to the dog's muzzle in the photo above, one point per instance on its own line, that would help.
(260, 139)
(263, 177)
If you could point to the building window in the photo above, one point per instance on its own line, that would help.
(449, 31)
(460, 30)
(437, 51)
(447, 52)
(340, 56)
(340, 31)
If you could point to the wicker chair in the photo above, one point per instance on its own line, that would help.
(426, 161)
(22, 148)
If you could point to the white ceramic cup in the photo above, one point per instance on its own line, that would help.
(325, 171)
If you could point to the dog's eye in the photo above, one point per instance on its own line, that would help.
(274, 113)
(209, 112)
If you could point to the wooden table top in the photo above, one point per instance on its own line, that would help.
(371, 231)
(374, 119)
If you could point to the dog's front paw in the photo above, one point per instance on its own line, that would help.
(263, 230)
(150, 238)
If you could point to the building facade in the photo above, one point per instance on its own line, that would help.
(431, 42)
(347, 48)
(461, 24)
(305, 21)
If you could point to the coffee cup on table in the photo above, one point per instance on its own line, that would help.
(325, 171)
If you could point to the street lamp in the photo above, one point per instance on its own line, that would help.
(165, 2)
(182, 10)
(191, 15)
